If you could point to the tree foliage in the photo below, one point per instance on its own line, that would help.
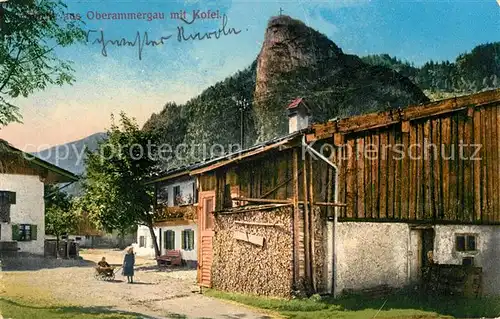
(114, 193)
(470, 72)
(60, 216)
(30, 30)
(212, 117)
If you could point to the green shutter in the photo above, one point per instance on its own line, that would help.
(173, 239)
(183, 239)
(15, 232)
(12, 198)
(191, 240)
(165, 239)
(33, 232)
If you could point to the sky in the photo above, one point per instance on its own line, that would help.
(412, 30)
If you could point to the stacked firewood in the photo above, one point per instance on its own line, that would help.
(252, 266)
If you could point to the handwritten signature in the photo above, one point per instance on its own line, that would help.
(143, 41)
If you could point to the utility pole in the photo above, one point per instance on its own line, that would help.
(242, 107)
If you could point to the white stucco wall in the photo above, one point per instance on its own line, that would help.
(190, 255)
(487, 253)
(371, 254)
(29, 209)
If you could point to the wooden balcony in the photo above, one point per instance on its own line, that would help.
(187, 212)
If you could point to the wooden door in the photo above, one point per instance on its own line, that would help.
(206, 229)
(422, 242)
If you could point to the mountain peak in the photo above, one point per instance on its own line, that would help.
(296, 60)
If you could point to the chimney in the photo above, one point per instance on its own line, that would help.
(298, 115)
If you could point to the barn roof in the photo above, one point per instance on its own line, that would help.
(376, 120)
(211, 164)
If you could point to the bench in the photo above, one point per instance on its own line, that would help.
(172, 258)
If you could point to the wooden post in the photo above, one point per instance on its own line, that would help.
(307, 243)
(296, 230)
(313, 228)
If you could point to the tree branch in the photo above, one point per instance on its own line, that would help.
(11, 71)
(38, 56)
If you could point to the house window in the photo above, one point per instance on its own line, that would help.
(465, 243)
(142, 241)
(6, 199)
(169, 240)
(195, 193)
(177, 196)
(162, 195)
(188, 239)
(25, 232)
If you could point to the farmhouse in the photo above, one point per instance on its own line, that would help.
(357, 203)
(22, 208)
(176, 229)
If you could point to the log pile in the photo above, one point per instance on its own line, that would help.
(241, 265)
(319, 250)
(452, 280)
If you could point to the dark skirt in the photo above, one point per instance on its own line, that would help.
(128, 265)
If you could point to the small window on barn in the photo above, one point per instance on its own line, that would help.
(169, 240)
(466, 243)
(468, 261)
(142, 241)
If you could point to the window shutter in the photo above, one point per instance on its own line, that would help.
(191, 240)
(172, 234)
(12, 198)
(165, 239)
(183, 239)
(15, 232)
(33, 232)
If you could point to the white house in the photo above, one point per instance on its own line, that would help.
(22, 208)
(176, 197)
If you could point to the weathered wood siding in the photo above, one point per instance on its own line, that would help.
(380, 182)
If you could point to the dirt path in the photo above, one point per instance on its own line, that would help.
(157, 294)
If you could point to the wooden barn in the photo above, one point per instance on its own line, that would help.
(357, 203)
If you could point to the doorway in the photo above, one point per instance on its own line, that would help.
(421, 243)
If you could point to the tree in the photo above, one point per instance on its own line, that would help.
(114, 193)
(60, 217)
(30, 30)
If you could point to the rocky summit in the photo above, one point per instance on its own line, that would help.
(297, 61)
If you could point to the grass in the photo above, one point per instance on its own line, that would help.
(11, 308)
(407, 306)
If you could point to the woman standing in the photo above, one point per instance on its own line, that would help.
(128, 265)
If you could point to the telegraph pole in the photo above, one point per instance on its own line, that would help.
(242, 107)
